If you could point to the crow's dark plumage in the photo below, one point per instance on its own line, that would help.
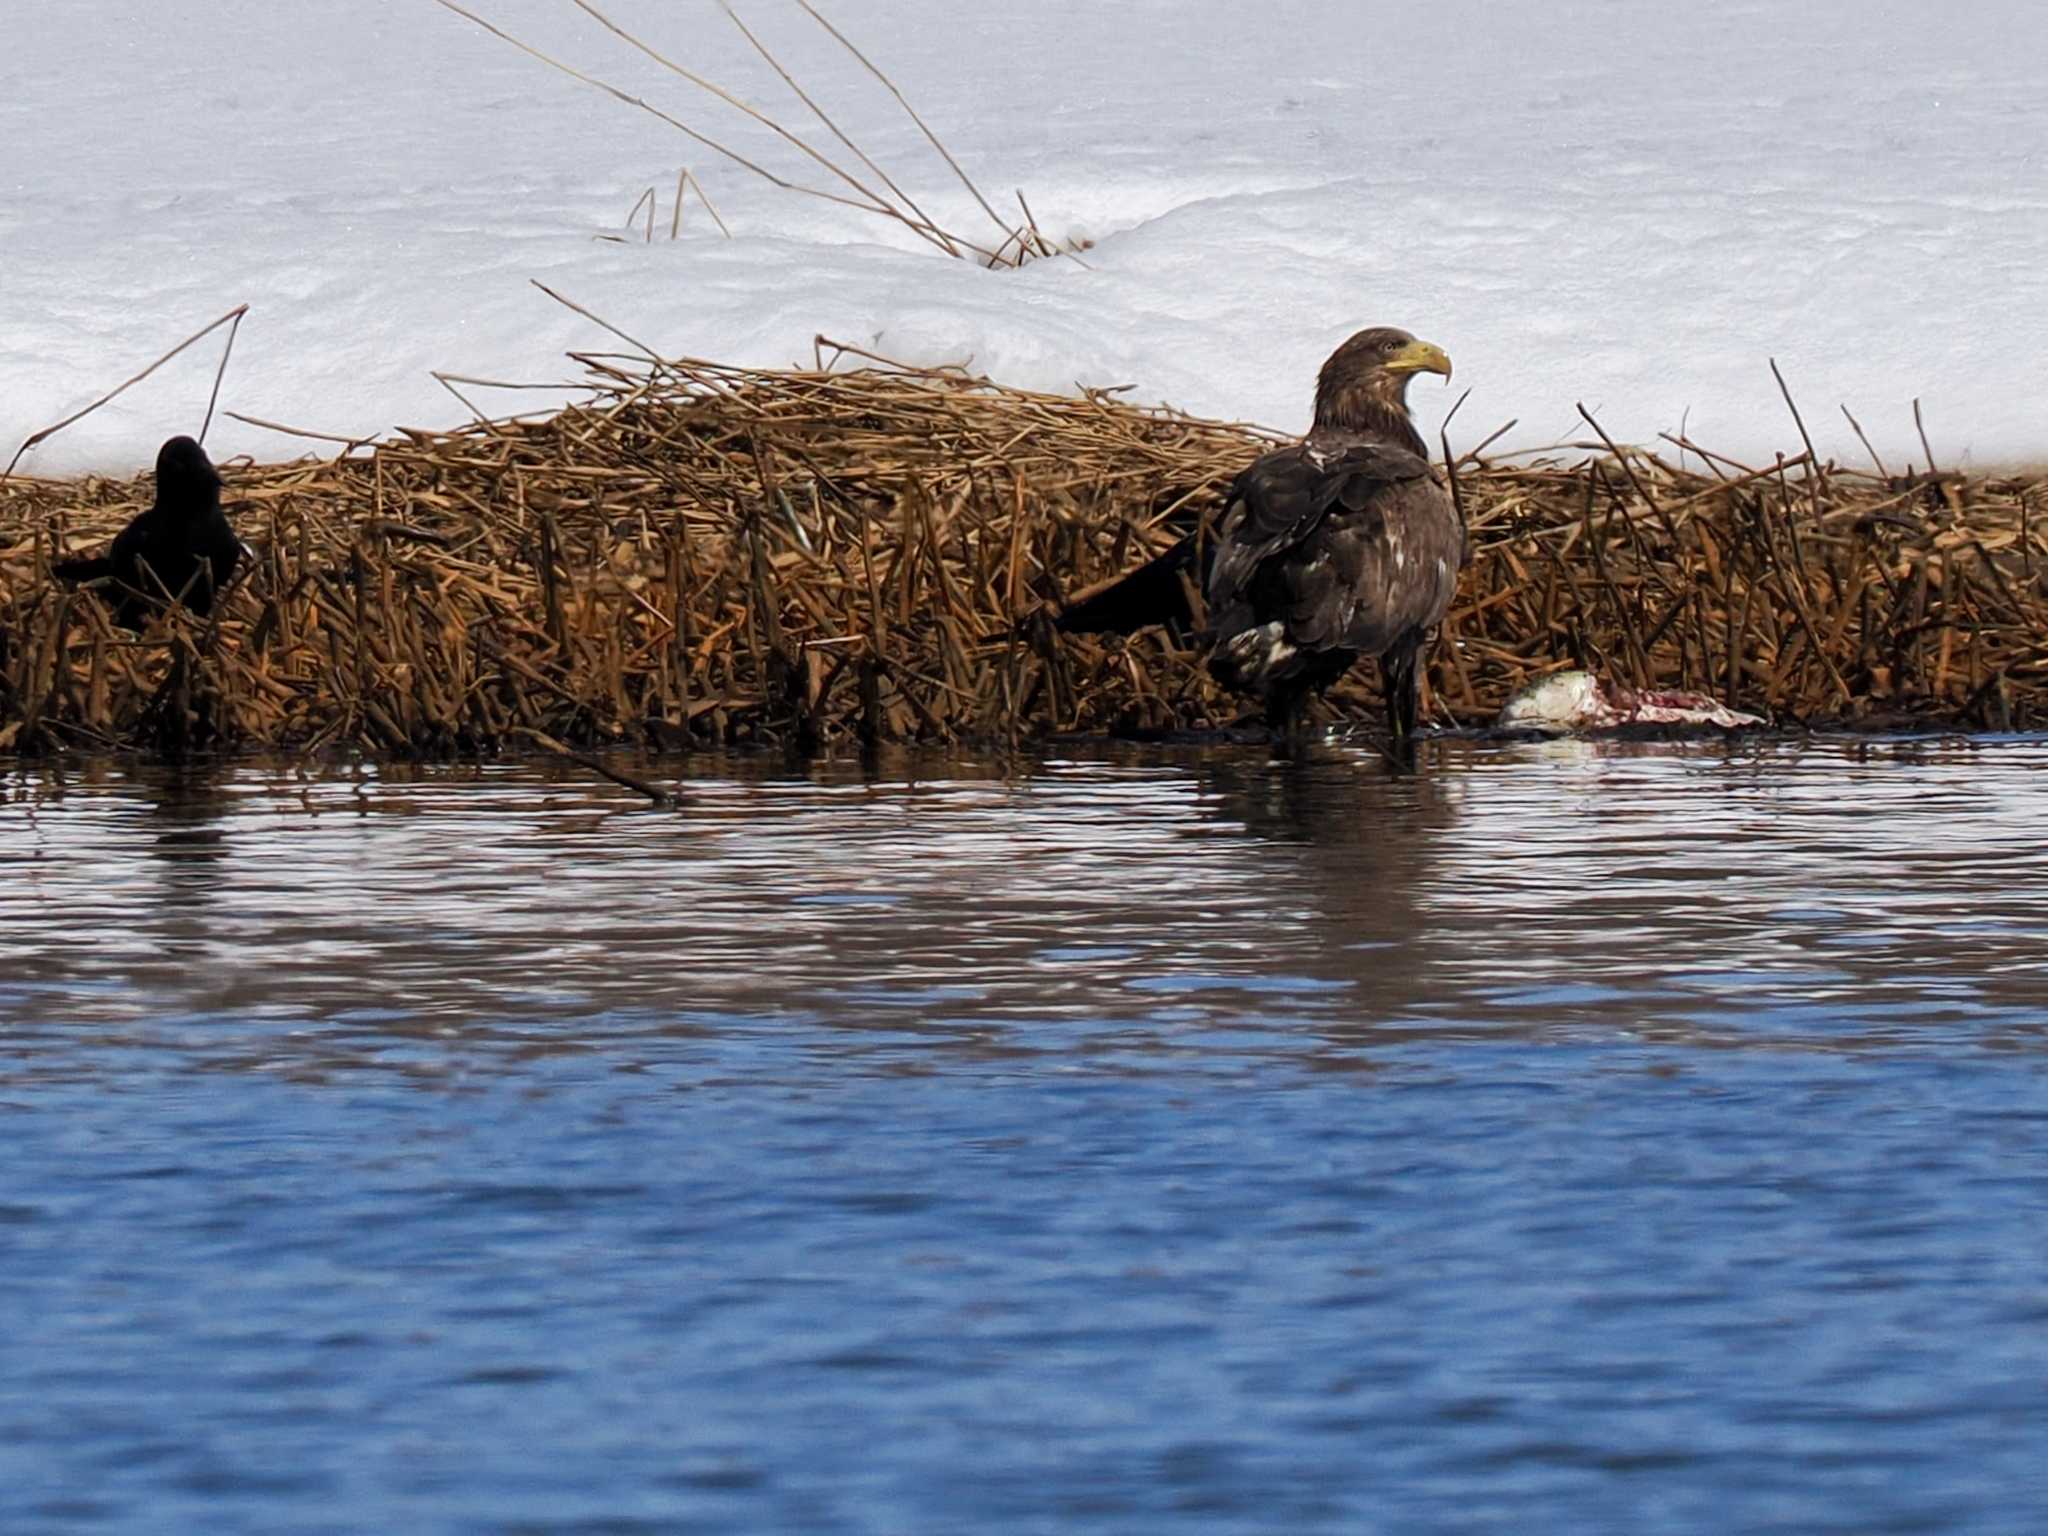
(181, 548)
(1345, 545)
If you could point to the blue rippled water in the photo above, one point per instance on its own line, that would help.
(1557, 1139)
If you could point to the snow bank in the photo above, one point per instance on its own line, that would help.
(1600, 201)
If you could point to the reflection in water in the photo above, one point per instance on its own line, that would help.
(186, 826)
(1524, 890)
(1554, 1138)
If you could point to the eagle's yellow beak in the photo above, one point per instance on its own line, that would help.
(1420, 357)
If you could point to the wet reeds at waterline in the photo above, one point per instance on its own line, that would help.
(841, 555)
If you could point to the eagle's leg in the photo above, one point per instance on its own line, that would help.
(1402, 685)
(1287, 715)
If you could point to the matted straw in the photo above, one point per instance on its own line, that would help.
(859, 552)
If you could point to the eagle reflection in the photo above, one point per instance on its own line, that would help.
(1352, 851)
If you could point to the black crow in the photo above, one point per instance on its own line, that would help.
(181, 549)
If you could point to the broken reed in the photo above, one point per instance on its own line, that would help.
(706, 554)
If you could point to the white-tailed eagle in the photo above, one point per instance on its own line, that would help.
(1343, 546)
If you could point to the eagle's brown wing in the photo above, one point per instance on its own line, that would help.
(1368, 580)
(1325, 557)
(1282, 498)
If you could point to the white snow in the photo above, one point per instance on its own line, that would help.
(1629, 203)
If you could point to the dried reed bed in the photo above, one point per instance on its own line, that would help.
(1800, 590)
(870, 554)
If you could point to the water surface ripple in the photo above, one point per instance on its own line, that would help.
(1556, 1139)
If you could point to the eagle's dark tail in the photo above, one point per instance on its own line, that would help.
(88, 568)
(1157, 592)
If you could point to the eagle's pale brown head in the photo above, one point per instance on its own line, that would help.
(1363, 388)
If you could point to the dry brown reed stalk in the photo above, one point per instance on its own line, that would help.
(707, 554)
(232, 320)
(888, 200)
